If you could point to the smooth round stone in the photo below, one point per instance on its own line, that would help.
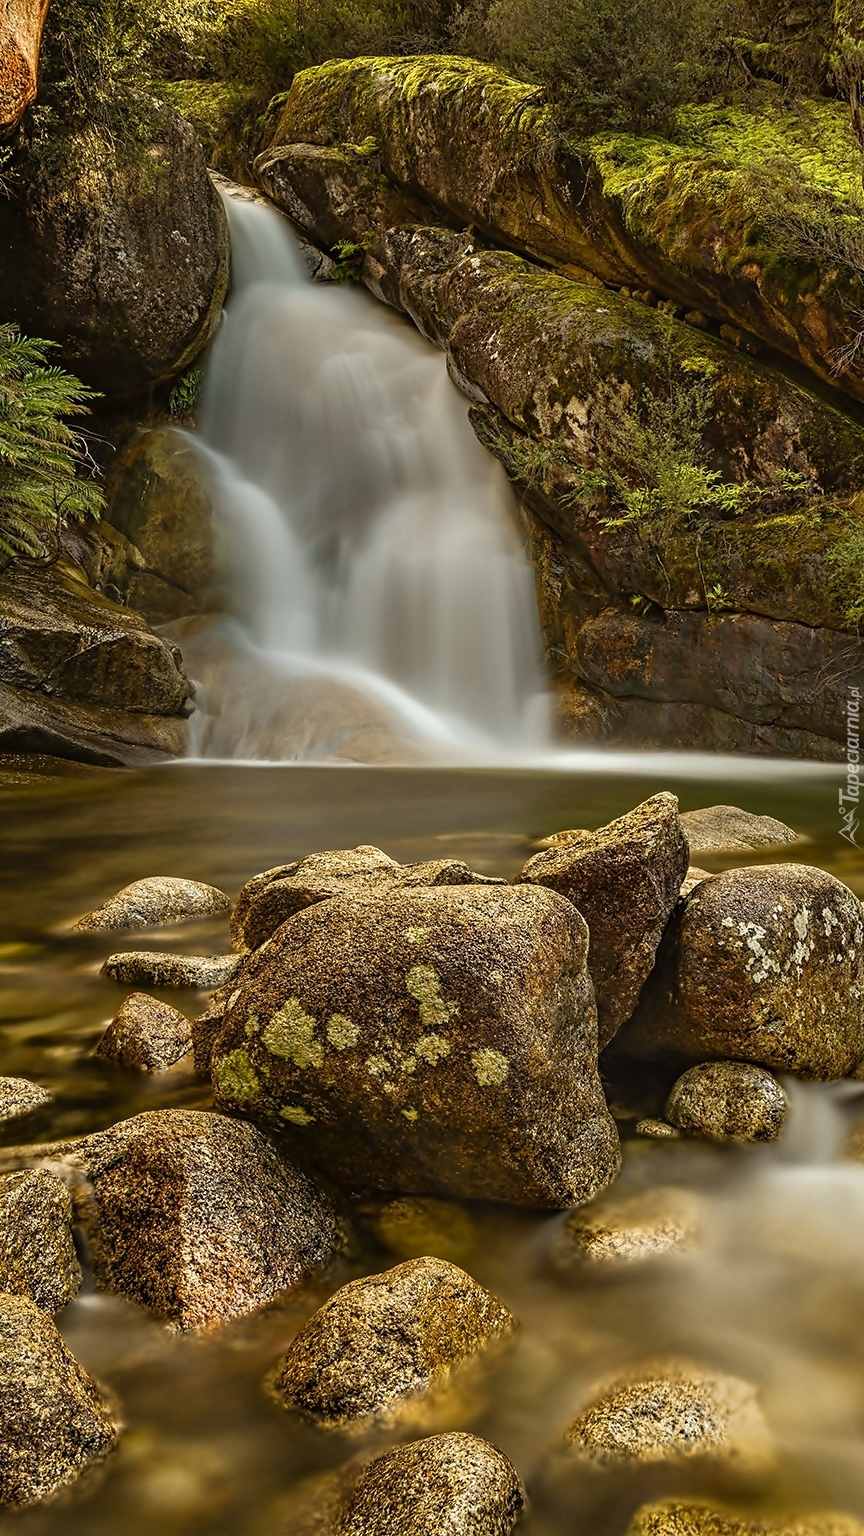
(728, 1101)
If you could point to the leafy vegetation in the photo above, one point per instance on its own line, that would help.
(46, 471)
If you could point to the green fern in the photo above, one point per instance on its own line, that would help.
(45, 468)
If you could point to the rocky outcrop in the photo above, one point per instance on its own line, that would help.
(146, 1035)
(55, 1421)
(83, 677)
(37, 1254)
(117, 250)
(624, 879)
(433, 1041)
(384, 1342)
(20, 37)
(764, 965)
(141, 968)
(717, 828)
(681, 219)
(672, 1412)
(728, 1101)
(153, 902)
(675, 1518)
(20, 1098)
(630, 1224)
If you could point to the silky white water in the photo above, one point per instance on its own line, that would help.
(382, 607)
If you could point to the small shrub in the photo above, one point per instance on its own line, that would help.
(45, 467)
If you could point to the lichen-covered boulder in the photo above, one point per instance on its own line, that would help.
(719, 827)
(728, 1101)
(19, 1098)
(625, 879)
(194, 1216)
(674, 1517)
(630, 1224)
(455, 1484)
(764, 964)
(37, 1254)
(146, 1034)
(268, 899)
(672, 1411)
(54, 1419)
(385, 1341)
(137, 968)
(433, 1041)
(153, 902)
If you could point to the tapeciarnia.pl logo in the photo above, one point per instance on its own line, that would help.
(850, 796)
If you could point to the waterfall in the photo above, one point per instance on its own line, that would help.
(381, 607)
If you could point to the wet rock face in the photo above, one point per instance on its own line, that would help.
(54, 1419)
(728, 1101)
(122, 259)
(37, 1254)
(435, 1041)
(764, 964)
(383, 1341)
(633, 1224)
(624, 879)
(20, 37)
(153, 902)
(269, 899)
(197, 1217)
(673, 1412)
(454, 1483)
(20, 1098)
(717, 827)
(146, 1034)
(155, 969)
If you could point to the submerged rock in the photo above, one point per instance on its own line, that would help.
(146, 1034)
(194, 1216)
(764, 964)
(384, 1341)
(625, 879)
(155, 969)
(435, 1041)
(728, 1101)
(268, 899)
(657, 1130)
(631, 1224)
(54, 1419)
(153, 902)
(673, 1517)
(671, 1412)
(19, 1098)
(455, 1484)
(37, 1254)
(718, 827)
(417, 1225)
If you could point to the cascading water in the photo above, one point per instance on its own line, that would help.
(383, 608)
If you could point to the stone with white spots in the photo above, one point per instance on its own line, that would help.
(763, 965)
(728, 1101)
(434, 1041)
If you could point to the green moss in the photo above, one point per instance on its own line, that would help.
(235, 1078)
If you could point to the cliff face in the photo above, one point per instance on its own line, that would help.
(692, 495)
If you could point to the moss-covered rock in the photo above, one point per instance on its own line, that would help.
(431, 1041)
(384, 1342)
(681, 217)
(764, 965)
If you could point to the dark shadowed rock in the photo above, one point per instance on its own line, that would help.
(671, 1411)
(728, 1101)
(385, 1340)
(625, 879)
(153, 902)
(764, 964)
(136, 968)
(268, 899)
(19, 1098)
(675, 1518)
(631, 1224)
(54, 1419)
(455, 1484)
(37, 1254)
(435, 1041)
(195, 1216)
(726, 826)
(147, 1034)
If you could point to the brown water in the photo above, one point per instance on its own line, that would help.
(774, 1292)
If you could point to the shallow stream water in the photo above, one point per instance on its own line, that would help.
(773, 1292)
